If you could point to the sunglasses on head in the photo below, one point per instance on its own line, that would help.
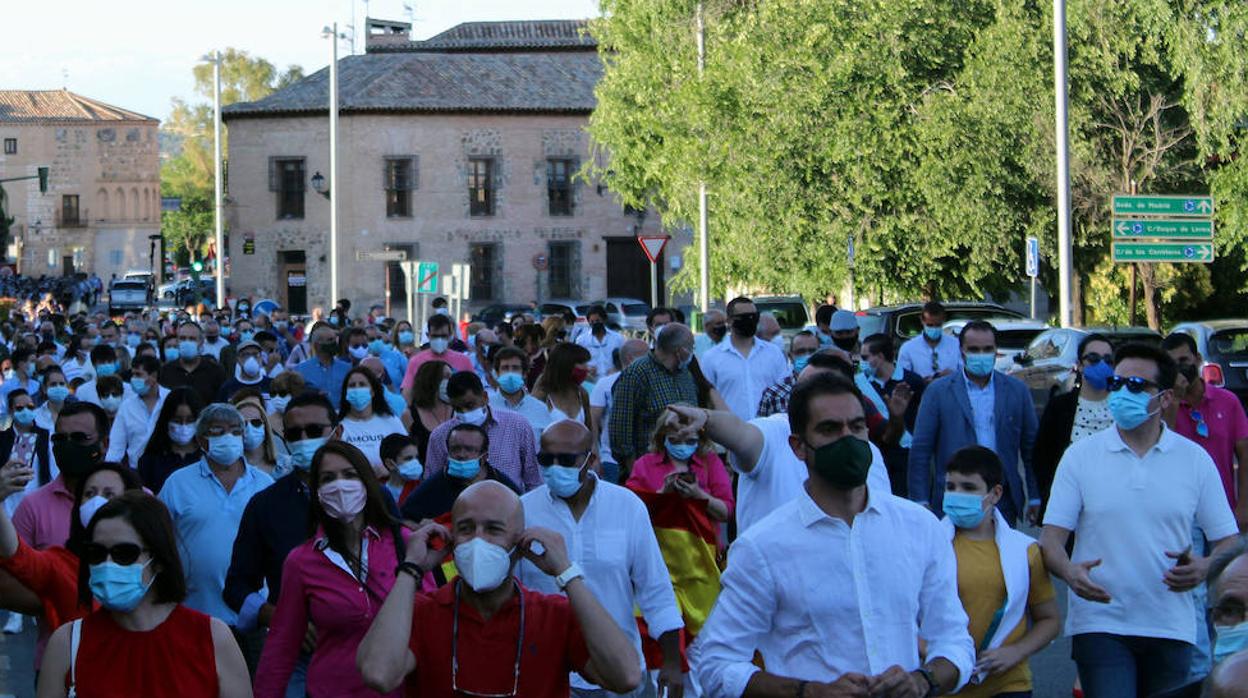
(567, 460)
(311, 431)
(122, 553)
(1133, 384)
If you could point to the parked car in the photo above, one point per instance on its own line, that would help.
(187, 291)
(491, 315)
(790, 311)
(1048, 365)
(905, 321)
(1013, 336)
(628, 314)
(125, 295)
(1224, 346)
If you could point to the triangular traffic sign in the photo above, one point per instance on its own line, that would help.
(652, 245)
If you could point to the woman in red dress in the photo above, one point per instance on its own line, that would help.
(141, 641)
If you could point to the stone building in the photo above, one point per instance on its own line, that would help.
(458, 149)
(103, 198)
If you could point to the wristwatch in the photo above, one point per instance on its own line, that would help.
(933, 688)
(565, 578)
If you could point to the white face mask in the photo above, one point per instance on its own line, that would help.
(88, 508)
(482, 564)
(475, 417)
(251, 367)
(181, 434)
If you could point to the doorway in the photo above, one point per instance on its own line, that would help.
(294, 280)
(628, 270)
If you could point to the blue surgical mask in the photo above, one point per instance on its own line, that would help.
(510, 382)
(563, 482)
(119, 587)
(58, 393)
(359, 398)
(301, 452)
(24, 416)
(110, 402)
(139, 386)
(333, 320)
(181, 434)
(1228, 640)
(225, 449)
(172, 354)
(188, 349)
(407, 337)
(105, 369)
(439, 344)
(411, 469)
(463, 469)
(1097, 374)
(980, 365)
(253, 437)
(680, 451)
(933, 333)
(277, 404)
(475, 417)
(799, 363)
(963, 509)
(376, 346)
(1129, 409)
(133, 340)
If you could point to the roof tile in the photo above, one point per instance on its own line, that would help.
(33, 106)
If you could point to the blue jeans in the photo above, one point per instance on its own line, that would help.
(1126, 666)
(1202, 652)
(297, 687)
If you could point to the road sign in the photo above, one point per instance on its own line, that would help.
(381, 255)
(652, 245)
(1197, 205)
(427, 277)
(1033, 257)
(1187, 229)
(1164, 251)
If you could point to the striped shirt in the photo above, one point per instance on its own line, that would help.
(642, 392)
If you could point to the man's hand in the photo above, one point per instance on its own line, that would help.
(688, 421)
(999, 660)
(899, 400)
(1079, 579)
(1185, 577)
(848, 686)
(896, 682)
(671, 679)
(14, 477)
(553, 556)
(423, 548)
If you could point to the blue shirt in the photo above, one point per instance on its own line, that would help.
(207, 519)
(983, 406)
(327, 380)
(395, 363)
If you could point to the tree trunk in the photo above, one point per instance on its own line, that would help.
(1076, 299)
(1148, 278)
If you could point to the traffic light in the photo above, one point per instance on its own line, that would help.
(197, 266)
(43, 180)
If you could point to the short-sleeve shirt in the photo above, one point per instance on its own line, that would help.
(1227, 424)
(981, 586)
(367, 434)
(552, 647)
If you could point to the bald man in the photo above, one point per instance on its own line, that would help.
(613, 541)
(600, 405)
(465, 637)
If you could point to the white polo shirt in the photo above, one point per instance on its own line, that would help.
(741, 380)
(600, 350)
(1127, 512)
(778, 476)
(916, 355)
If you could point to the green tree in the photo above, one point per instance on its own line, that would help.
(189, 230)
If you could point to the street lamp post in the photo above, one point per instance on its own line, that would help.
(1060, 91)
(331, 33)
(218, 202)
(704, 248)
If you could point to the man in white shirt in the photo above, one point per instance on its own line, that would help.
(1131, 494)
(608, 533)
(104, 363)
(743, 366)
(600, 341)
(213, 341)
(136, 418)
(510, 367)
(837, 588)
(600, 405)
(932, 353)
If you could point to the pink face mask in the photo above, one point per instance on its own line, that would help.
(343, 499)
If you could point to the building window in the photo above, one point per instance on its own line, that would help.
(565, 266)
(10, 146)
(287, 177)
(486, 271)
(481, 186)
(69, 210)
(399, 184)
(559, 186)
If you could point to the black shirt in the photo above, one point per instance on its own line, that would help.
(206, 379)
(437, 495)
(154, 468)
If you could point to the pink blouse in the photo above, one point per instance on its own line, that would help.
(650, 470)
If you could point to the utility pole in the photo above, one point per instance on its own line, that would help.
(1060, 90)
(704, 248)
(335, 192)
(218, 205)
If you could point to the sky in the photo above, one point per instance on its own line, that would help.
(138, 54)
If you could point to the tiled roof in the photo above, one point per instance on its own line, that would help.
(524, 82)
(32, 106)
(545, 34)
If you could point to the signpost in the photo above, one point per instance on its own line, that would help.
(1154, 205)
(1195, 229)
(1033, 269)
(1163, 251)
(381, 255)
(653, 246)
(1152, 228)
(427, 277)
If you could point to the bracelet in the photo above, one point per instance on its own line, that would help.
(801, 689)
(410, 568)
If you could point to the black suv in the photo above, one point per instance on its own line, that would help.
(906, 320)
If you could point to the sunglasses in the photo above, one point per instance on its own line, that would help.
(567, 460)
(311, 431)
(1093, 358)
(122, 553)
(1133, 384)
(256, 423)
(1202, 427)
(77, 437)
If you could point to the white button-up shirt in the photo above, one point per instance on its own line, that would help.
(133, 426)
(534, 411)
(1127, 512)
(741, 380)
(819, 598)
(916, 355)
(600, 350)
(615, 546)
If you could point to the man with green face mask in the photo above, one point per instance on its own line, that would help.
(891, 559)
(325, 371)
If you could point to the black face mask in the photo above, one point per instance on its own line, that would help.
(598, 327)
(846, 343)
(717, 333)
(745, 325)
(75, 459)
(1189, 371)
(843, 463)
(327, 348)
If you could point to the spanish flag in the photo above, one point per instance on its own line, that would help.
(688, 540)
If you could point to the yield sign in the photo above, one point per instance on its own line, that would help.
(652, 245)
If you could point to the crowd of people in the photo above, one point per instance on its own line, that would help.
(234, 503)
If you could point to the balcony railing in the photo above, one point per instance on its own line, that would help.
(72, 219)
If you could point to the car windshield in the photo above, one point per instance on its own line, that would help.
(790, 314)
(635, 308)
(1230, 342)
(1015, 339)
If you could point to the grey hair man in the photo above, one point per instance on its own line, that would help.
(645, 389)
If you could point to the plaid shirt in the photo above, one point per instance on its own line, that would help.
(513, 451)
(642, 392)
(776, 398)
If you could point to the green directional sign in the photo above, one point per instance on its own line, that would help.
(1201, 252)
(1196, 205)
(427, 277)
(1188, 229)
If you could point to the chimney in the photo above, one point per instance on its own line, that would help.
(384, 33)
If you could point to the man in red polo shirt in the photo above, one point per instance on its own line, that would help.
(483, 633)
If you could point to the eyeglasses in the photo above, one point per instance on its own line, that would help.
(77, 437)
(1133, 384)
(1092, 357)
(311, 431)
(515, 686)
(567, 460)
(1202, 427)
(122, 553)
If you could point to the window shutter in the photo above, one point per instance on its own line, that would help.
(413, 179)
(275, 182)
(387, 174)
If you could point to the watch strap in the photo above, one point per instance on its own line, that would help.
(933, 687)
(565, 577)
(410, 568)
